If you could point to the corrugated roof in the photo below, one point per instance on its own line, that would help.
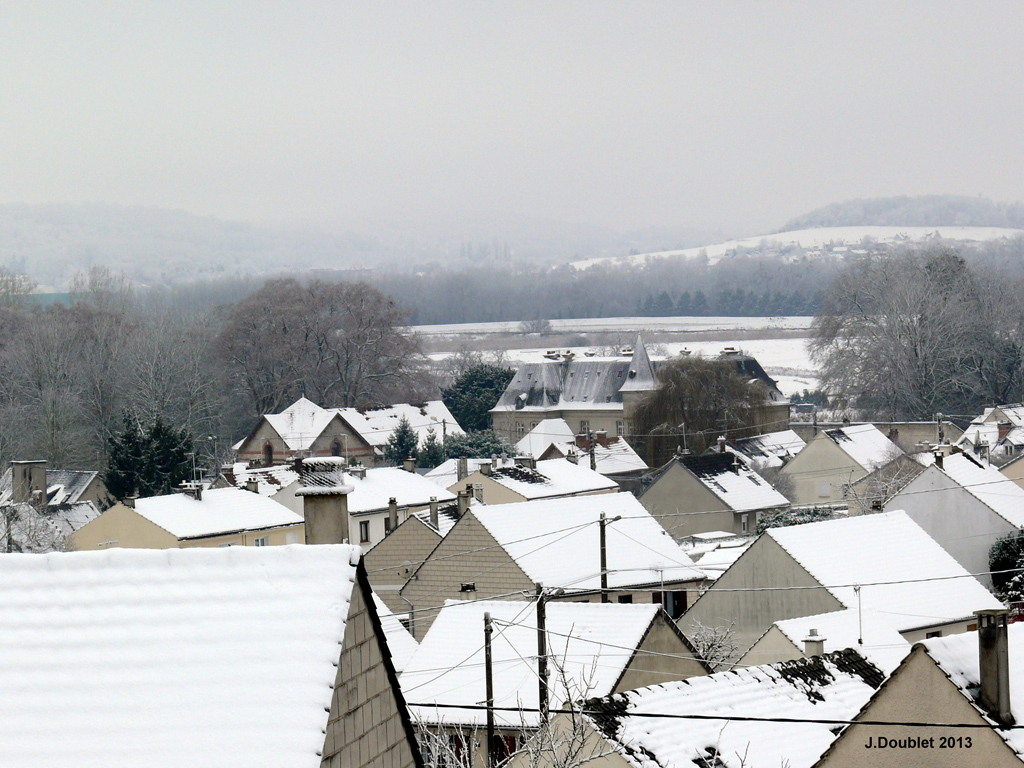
(198, 657)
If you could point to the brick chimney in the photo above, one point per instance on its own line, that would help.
(26, 477)
(324, 493)
(994, 664)
(814, 644)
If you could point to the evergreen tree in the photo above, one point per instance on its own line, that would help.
(683, 307)
(432, 452)
(402, 443)
(148, 461)
(477, 445)
(663, 305)
(474, 393)
(700, 304)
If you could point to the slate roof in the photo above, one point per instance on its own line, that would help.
(830, 687)
(640, 376)
(772, 449)
(598, 634)
(63, 486)
(198, 657)
(927, 586)
(554, 477)
(587, 384)
(865, 444)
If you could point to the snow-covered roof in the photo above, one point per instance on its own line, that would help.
(300, 423)
(269, 480)
(446, 474)
(63, 486)
(865, 444)
(640, 377)
(557, 542)
(612, 455)
(927, 586)
(987, 484)
(554, 477)
(447, 516)
(830, 687)
(985, 429)
(401, 644)
(715, 558)
(882, 645)
(594, 641)
(220, 511)
(373, 491)
(543, 436)
(772, 449)
(199, 656)
(44, 529)
(740, 488)
(375, 425)
(957, 656)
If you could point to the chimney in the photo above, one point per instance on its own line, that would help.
(721, 443)
(526, 461)
(129, 501)
(393, 512)
(358, 471)
(478, 492)
(994, 664)
(324, 495)
(463, 501)
(252, 485)
(193, 489)
(601, 435)
(1004, 430)
(409, 464)
(485, 468)
(938, 459)
(573, 456)
(433, 513)
(814, 644)
(27, 476)
(463, 468)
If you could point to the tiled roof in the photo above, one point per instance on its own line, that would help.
(594, 651)
(830, 687)
(547, 433)
(373, 491)
(220, 511)
(198, 657)
(882, 645)
(927, 586)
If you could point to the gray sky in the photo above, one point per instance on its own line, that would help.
(737, 115)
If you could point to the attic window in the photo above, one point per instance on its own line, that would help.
(469, 586)
(754, 480)
(718, 486)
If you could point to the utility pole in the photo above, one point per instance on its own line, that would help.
(444, 439)
(593, 455)
(542, 654)
(604, 560)
(490, 691)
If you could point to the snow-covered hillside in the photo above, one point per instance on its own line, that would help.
(832, 241)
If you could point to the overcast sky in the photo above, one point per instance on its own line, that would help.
(708, 114)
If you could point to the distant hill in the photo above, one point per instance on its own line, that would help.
(923, 211)
(156, 246)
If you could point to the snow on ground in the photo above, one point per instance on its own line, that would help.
(627, 325)
(832, 240)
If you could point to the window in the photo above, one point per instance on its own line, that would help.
(625, 598)
(674, 603)
(336, 448)
(745, 523)
(584, 426)
(620, 429)
(364, 531)
(533, 425)
(937, 633)
(520, 429)
(387, 525)
(261, 541)
(268, 455)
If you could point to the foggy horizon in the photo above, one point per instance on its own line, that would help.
(730, 117)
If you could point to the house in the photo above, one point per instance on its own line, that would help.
(220, 517)
(960, 698)
(610, 456)
(591, 650)
(61, 486)
(965, 506)
(769, 450)
(905, 433)
(870, 633)
(278, 482)
(805, 570)
(392, 560)
(203, 657)
(305, 429)
(713, 492)
(42, 528)
(836, 458)
(601, 393)
(754, 717)
(505, 550)
(510, 481)
(1014, 469)
(997, 432)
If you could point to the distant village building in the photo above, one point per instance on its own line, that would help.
(504, 550)
(305, 429)
(511, 481)
(611, 456)
(32, 481)
(713, 492)
(973, 681)
(207, 657)
(998, 432)
(815, 568)
(828, 465)
(218, 517)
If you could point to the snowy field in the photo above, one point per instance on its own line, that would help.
(834, 240)
(785, 358)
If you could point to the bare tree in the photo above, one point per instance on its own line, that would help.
(716, 645)
(23, 528)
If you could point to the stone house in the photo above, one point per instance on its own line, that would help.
(713, 492)
(804, 693)
(24, 479)
(813, 569)
(835, 459)
(304, 429)
(503, 551)
(510, 481)
(965, 506)
(219, 517)
(591, 650)
(203, 657)
(968, 685)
